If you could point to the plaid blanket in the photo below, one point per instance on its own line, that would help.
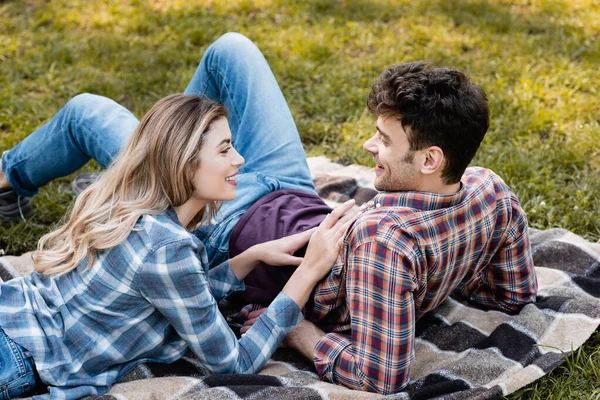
(462, 352)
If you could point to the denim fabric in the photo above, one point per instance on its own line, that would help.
(233, 72)
(17, 375)
(87, 127)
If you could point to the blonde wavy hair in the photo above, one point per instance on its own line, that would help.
(151, 174)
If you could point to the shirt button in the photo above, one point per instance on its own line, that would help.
(377, 205)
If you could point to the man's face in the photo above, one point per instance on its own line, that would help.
(395, 168)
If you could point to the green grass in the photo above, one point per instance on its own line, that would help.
(537, 59)
(577, 378)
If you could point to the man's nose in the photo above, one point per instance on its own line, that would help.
(370, 146)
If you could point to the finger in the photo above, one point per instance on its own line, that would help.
(340, 233)
(342, 226)
(349, 216)
(341, 210)
(249, 322)
(292, 261)
(256, 313)
(331, 218)
(300, 239)
(285, 260)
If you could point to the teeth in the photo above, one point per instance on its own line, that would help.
(231, 178)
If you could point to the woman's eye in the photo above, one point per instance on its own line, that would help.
(226, 150)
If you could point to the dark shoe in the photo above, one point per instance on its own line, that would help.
(13, 207)
(83, 180)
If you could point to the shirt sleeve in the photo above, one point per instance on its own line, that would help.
(509, 281)
(223, 281)
(377, 355)
(173, 280)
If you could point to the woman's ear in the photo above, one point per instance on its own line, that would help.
(433, 160)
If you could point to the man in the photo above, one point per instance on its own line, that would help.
(435, 229)
(436, 235)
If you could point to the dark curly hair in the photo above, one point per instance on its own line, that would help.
(437, 107)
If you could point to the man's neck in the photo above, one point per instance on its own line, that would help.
(439, 187)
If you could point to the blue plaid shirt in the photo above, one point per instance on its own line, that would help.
(148, 299)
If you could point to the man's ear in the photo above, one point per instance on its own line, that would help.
(432, 160)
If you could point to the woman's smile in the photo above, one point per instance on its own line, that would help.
(232, 180)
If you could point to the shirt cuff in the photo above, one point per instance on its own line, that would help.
(326, 353)
(284, 312)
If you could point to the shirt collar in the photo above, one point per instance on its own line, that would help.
(419, 200)
(172, 214)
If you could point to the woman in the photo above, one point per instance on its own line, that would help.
(123, 281)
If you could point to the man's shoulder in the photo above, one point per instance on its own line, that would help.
(486, 183)
(387, 226)
(477, 176)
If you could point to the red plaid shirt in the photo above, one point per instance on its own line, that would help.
(405, 255)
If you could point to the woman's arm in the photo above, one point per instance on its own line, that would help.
(174, 281)
(176, 284)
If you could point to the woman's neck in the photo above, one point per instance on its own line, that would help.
(188, 210)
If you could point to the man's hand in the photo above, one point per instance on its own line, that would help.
(304, 338)
(252, 318)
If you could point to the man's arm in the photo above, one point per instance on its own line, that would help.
(377, 354)
(304, 338)
(509, 281)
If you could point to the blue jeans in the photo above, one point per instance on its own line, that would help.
(233, 72)
(17, 376)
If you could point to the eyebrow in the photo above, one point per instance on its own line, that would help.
(228, 141)
(384, 134)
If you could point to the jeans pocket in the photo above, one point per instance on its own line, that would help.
(21, 386)
(17, 375)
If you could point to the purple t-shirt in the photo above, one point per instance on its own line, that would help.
(280, 213)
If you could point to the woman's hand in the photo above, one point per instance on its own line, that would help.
(323, 249)
(276, 252)
(325, 244)
(281, 251)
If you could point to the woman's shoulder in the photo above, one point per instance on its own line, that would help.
(170, 250)
(164, 229)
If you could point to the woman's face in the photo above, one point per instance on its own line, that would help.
(215, 177)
